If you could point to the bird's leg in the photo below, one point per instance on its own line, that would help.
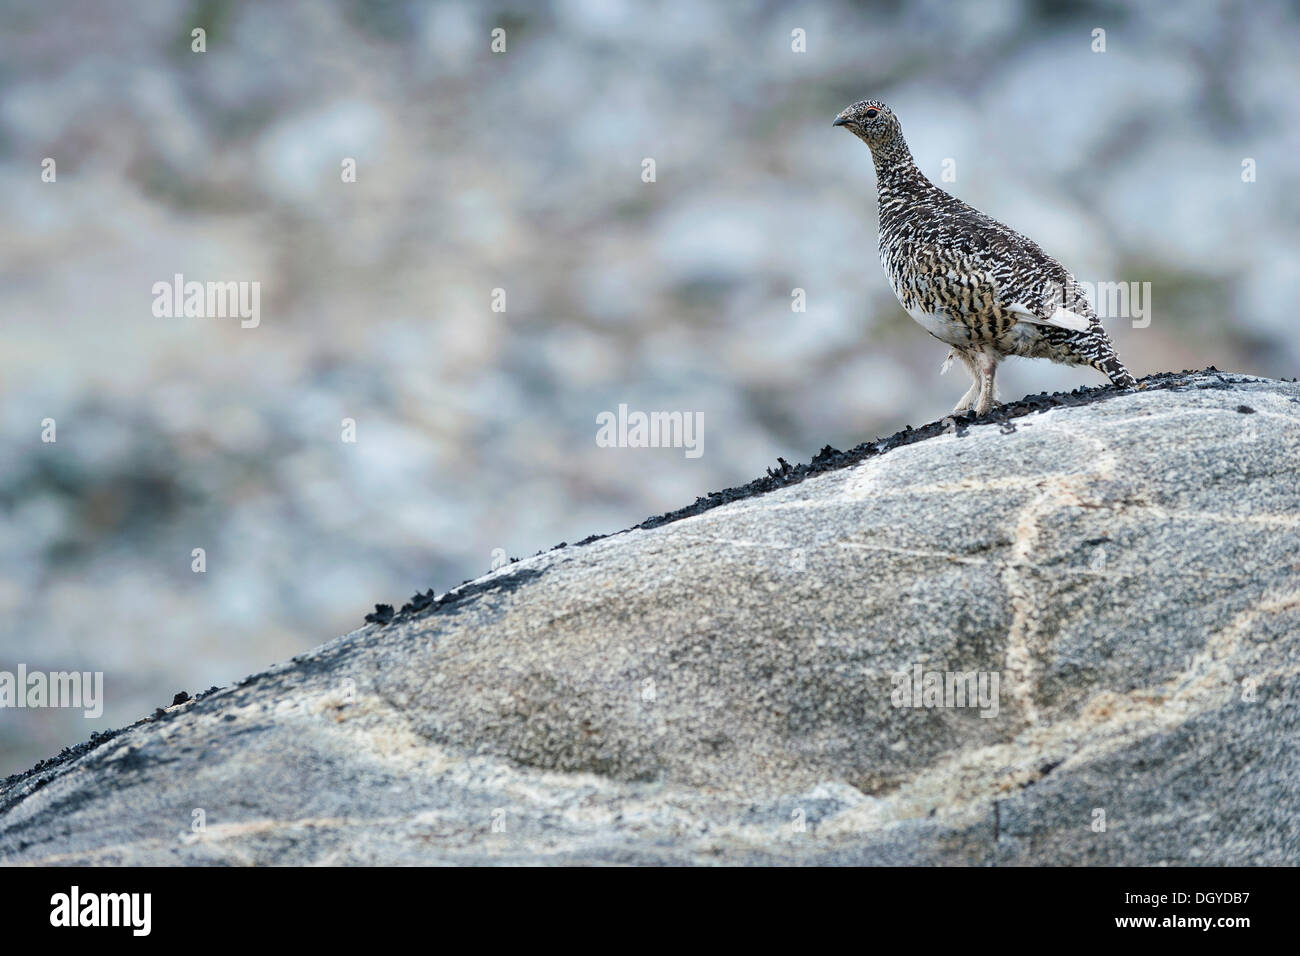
(967, 400)
(988, 369)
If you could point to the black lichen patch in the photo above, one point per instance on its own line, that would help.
(382, 614)
(426, 602)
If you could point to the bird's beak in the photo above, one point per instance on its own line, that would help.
(840, 121)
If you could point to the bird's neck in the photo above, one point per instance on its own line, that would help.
(897, 174)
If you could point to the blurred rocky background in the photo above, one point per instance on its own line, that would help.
(522, 171)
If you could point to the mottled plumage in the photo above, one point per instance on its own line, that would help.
(968, 280)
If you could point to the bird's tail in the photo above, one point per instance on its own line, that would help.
(1110, 365)
(1099, 352)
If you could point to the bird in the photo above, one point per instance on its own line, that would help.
(977, 285)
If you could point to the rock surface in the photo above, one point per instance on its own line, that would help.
(718, 689)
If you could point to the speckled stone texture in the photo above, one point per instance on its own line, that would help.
(718, 689)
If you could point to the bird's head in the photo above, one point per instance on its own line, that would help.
(870, 121)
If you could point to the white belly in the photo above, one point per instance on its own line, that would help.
(940, 326)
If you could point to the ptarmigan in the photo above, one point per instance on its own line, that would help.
(970, 281)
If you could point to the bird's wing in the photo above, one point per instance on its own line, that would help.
(1026, 283)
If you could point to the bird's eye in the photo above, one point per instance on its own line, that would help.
(872, 114)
